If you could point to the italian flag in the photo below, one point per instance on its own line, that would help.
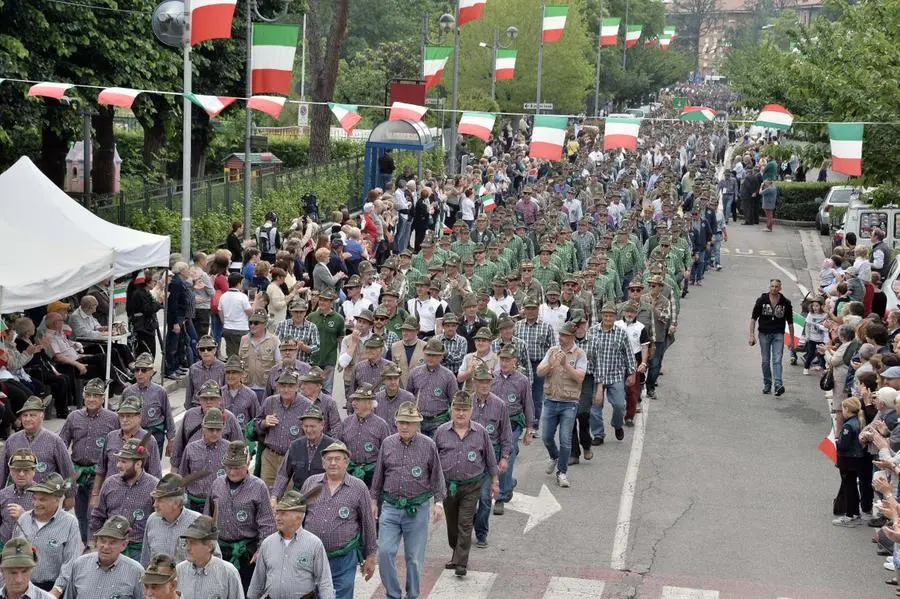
(435, 59)
(487, 201)
(649, 43)
(664, 41)
(670, 33)
(346, 114)
(49, 89)
(271, 105)
(846, 148)
(122, 97)
(828, 445)
(272, 57)
(470, 10)
(609, 31)
(548, 137)
(211, 19)
(632, 35)
(213, 105)
(554, 23)
(698, 113)
(402, 110)
(621, 132)
(505, 64)
(797, 326)
(774, 116)
(478, 124)
(119, 292)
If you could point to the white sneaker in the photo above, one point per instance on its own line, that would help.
(847, 521)
(561, 480)
(889, 564)
(806, 371)
(551, 466)
(866, 516)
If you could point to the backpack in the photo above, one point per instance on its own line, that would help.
(264, 239)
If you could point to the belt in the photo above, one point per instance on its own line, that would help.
(410, 504)
(275, 451)
(454, 485)
(240, 549)
(361, 470)
(85, 473)
(429, 423)
(354, 544)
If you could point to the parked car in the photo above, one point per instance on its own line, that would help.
(860, 218)
(839, 195)
(891, 286)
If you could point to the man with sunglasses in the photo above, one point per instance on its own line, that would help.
(660, 323)
(208, 368)
(259, 353)
(156, 410)
(289, 349)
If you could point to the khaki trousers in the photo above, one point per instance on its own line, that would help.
(271, 462)
(460, 513)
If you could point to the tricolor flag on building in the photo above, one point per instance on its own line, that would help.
(49, 89)
(272, 57)
(797, 326)
(435, 60)
(119, 292)
(211, 19)
(621, 132)
(774, 116)
(505, 67)
(478, 124)
(632, 35)
(846, 148)
(213, 105)
(271, 105)
(470, 10)
(346, 114)
(698, 113)
(548, 136)
(554, 22)
(609, 31)
(402, 110)
(122, 97)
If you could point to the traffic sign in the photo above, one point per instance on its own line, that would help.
(534, 106)
(434, 101)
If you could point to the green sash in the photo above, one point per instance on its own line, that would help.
(85, 474)
(355, 544)
(361, 470)
(250, 432)
(201, 501)
(410, 504)
(239, 550)
(454, 485)
(432, 422)
(518, 419)
(157, 428)
(133, 550)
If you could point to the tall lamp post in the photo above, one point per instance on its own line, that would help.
(447, 22)
(512, 33)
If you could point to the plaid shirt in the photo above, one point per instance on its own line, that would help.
(307, 332)
(524, 360)
(456, 348)
(584, 246)
(590, 346)
(547, 274)
(612, 357)
(538, 338)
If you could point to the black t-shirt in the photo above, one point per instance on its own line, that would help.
(772, 319)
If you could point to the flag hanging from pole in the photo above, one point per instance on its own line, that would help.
(211, 19)
(505, 67)
(774, 116)
(548, 135)
(402, 110)
(272, 57)
(846, 148)
(271, 105)
(346, 114)
(632, 35)
(621, 132)
(122, 97)
(119, 293)
(554, 22)
(435, 60)
(470, 10)
(609, 31)
(478, 124)
(213, 105)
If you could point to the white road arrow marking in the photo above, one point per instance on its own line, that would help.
(537, 508)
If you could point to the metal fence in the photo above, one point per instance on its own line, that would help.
(222, 193)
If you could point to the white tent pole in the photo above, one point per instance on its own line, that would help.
(109, 332)
(162, 350)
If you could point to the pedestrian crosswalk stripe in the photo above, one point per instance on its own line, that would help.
(363, 589)
(475, 585)
(574, 588)
(683, 593)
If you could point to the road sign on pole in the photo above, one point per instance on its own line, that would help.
(534, 106)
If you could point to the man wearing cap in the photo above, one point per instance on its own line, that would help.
(170, 517)
(368, 370)
(241, 506)
(433, 385)
(14, 499)
(424, 258)
(467, 459)
(355, 302)
(52, 530)
(486, 271)
(304, 456)
(156, 410)
(297, 327)
(127, 493)
(86, 430)
(159, 578)
(289, 361)
(585, 241)
(552, 311)
(424, 309)
(278, 424)
(514, 389)
(539, 338)
(129, 414)
(202, 574)
(529, 286)
(238, 398)
(292, 561)
(481, 355)
(51, 451)
(370, 288)
(190, 428)
(409, 352)
(455, 345)
(209, 368)
(342, 518)
(471, 323)
(639, 340)
(363, 432)
(259, 353)
(389, 399)
(483, 312)
(645, 311)
(331, 327)
(407, 477)
(204, 455)
(659, 330)
(463, 247)
(564, 367)
(545, 272)
(353, 345)
(106, 573)
(614, 368)
(626, 257)
(17, 562)
(379, 327)
(395, 316)
(501, 302)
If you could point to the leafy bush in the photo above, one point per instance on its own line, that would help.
(294, 151)
(797, 201)
(883, 195)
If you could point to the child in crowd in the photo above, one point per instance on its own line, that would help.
(815, 333)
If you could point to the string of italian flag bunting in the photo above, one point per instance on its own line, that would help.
(435, 61)
(621, 132)
(548, 134)
(477, 124)
(346, 114)
(697, 113)
(272, 57)
(609, 31)
(553, 23)
(505, 65)
(774, 116)
(632, 35)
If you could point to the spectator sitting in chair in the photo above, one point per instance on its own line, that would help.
(68, 355)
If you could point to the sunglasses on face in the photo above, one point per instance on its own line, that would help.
(143, 370)
(381, 318)
(204, 350)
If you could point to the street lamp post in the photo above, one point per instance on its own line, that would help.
(540, 61)
(446, 23)
(512, 33)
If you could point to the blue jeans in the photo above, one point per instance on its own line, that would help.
(771, 346)
(216, 326)
(698, 266)
(82, 510)
(343, 575)
(483, 512)
(727, 201)
(655, 365)
(559, 414)
(537, 391)
(395, 525)
(506, 479)
(404, 230)
(614, 393)
(717, 251)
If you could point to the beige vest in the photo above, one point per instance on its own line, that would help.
(559, 384)
(357, 357)
(398, 357)
(258, 360)
(492, 362)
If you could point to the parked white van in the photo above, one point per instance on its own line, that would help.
(860, 218)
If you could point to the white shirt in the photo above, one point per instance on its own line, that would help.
(555, 317)
(426, 311)
(633, 331)
(351, 308)
(232, 308)
(400, 202)
(468, 208)
(502, 305)
(372, 292)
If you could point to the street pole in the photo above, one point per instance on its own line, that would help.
(424, 43)
(494, 63)
(453, 115)
(625, 46)
(302, 72)
(186, 141)
(540, 61)
(87, 185)
(248, 125)
(597, 81)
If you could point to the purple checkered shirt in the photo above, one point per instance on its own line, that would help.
(86, 433)
(114, 441)
(514, 390)
(242, 402)
(278, 438)
(367, 372)
(462, 459)
(156, 409)
(242, 512)
(52, 455)
(408, 469)
(330, 409)
(433, 388)
(8, 496)
(490, 412)
(118, 498)
(276, 371)
(386, 407)
(363, 437)
(200, 456)
(191, 429)
(336, 517)
(199, 374)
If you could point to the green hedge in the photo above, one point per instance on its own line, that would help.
(294, 152)
(797, 201)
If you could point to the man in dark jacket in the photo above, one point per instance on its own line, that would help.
(774, 313)
(176, 313)
(750, 200)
